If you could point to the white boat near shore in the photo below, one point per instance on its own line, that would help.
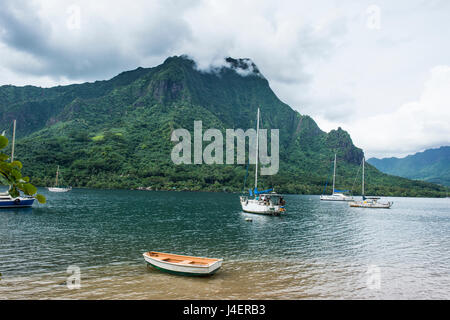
(182, 265)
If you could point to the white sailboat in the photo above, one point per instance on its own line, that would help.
(263, 202)
(337, 195)
(369, 202)
(56, 188)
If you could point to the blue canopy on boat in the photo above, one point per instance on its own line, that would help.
(336, 190)
(256, 192)
(264, 191)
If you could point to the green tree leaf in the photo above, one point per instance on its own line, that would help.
(3, 142)
(17, 164)
(40, 198)
(10, 174)
(29, 189)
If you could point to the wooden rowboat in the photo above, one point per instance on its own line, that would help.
(182, 265)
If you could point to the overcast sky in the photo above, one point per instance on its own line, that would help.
(378, 69)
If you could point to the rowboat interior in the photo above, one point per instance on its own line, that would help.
(179, 259)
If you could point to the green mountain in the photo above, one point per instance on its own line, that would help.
(116, 133)
(432, 165)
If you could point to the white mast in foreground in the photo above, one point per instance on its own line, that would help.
(257, 151)
(13, 141)
(334, 172)
(364, 160)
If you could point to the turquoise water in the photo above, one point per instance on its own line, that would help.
(317, 249)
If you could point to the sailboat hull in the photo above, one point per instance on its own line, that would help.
(258, 207)
(56, 189)
(371, 204)
(336, 197)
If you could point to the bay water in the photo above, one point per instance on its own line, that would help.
(316, 250)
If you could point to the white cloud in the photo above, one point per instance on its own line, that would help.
(109, 37)
(414, 126)
(319, 57)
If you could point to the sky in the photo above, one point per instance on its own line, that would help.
(378, 69)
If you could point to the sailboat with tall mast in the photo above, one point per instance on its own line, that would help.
(262, 202)
(6, 200)
(57, 188)
(369, 202)
(337, 195)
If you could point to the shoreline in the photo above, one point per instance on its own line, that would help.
(239, 192)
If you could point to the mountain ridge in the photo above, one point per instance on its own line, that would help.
(432, 165)
(116, 133)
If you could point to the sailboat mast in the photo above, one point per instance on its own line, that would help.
(364, 160)
(334, 172)
(257, 151)
(57, 172)
(13, 141)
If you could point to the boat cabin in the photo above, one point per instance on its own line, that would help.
(272, 199)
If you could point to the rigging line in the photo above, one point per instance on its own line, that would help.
(356, 176)
(326, 182)
(246, 173)
(262, 126)
(245, 179)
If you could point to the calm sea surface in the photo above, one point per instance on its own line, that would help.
(317, 250)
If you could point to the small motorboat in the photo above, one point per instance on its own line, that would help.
(6, 201)
(182, 265)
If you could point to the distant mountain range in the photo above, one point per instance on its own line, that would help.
(116, 133)
(432, 165)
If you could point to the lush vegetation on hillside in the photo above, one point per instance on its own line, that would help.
(116, 134)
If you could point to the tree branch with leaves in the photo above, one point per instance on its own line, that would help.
(10, 174)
